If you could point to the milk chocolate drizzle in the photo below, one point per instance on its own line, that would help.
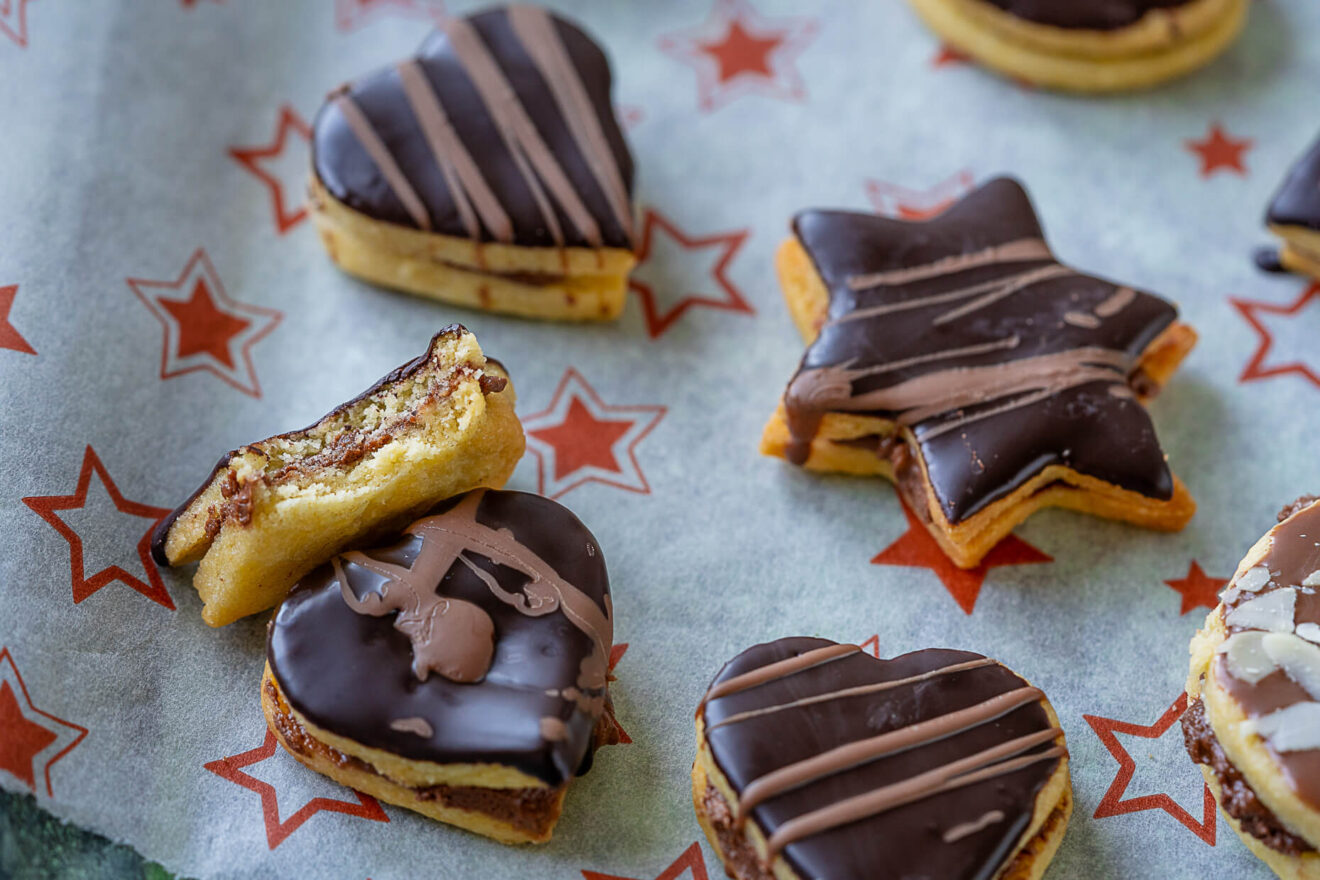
(501, 129)
(966, 330)
(834, 782)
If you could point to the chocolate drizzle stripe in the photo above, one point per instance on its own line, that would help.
(845, 693)
(380, 154)
(984, 348)
(780, 669)
(519, 133)
(1120, 300)
(894, 741)
(1019, 251)
(472, 195)
(917, 302)
(537, 32)
(958, 832)
(1009, 286)
(986, 764)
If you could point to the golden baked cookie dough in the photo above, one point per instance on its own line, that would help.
(1164, 44)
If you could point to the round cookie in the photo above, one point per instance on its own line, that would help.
(1253, 717)
(1088, 45)
(816, 760)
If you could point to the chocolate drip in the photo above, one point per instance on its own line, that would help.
(1297, 203)
(964, 329)
(521, 562)
(501, 129)
(863, 766)
(1100, 15)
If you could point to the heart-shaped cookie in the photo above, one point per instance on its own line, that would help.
(816, 760)
(460, 672)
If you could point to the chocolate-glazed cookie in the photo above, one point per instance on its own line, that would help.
(1100, 15)
(816, 760)
(471, 654)
(1294, 216)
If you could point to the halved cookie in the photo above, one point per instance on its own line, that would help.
(1253, 716)
(1088, 45)
(272, 510)
(816, 760)
(488, 171)
(461, 672)
(1294, 215)
(958, 358)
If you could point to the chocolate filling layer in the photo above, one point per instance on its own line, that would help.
(1237, 799)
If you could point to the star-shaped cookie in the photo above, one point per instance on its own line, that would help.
(958, 358)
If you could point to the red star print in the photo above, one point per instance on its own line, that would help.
(630, 115)
(277, 830)
(616, 654)
(49, 506)
(691, 860)
(1295, 337)
(579, 438)
(353, 14)
(915, 204)
(9, 337)
(204, 328)
(737, 52)
(657, 258)
(288, 212)
(1198, 590)
(917, 549)
(1220, 152)
(1112, 804)
(947, 56)
(25, 739)
(13, 21)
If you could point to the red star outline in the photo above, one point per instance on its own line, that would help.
(616, 654)
(259, 321)
(10, 338)
(79, 732)
(901, 203)
(46, 506)
(13, 21)
(1197, 589)
(947, 56)
(353, 14)
(1219, 151)
(736, 52)
(871, 645)
(729, 242)
(630, 115)
(1256, 367)
(250, 158)
(277, 831)
(573, 387)
(916, 548)
(692, 860)
(1112, 804)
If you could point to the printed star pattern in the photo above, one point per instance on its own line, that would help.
(30, 738)
(1287, 337)
(1219, 151)
(669, 279)
(918, 549)
(278, 830)
(737, 52)
(281, 166)
(948, 56)
(206, 330)
(1113, 803)
(581, 439)
(104, 511)
(691, 865)
(13, 21)
(353, 14)
(10, 338)
(902, 203)
(1197, 589)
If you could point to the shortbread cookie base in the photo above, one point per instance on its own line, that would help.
(262, 522)
(743, 853)
(834, 448)
(1301, 249)
(1163, 45)
(572, 284)
(491, 800)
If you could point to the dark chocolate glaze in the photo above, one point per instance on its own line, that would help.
(352, 674)
(1297, 203)
(906, 841)
(1086, 428)
(162, 530)
(1096, 15)
(1267, 259)
(1293, 555)
(349, 174)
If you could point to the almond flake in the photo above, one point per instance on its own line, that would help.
(1246, 657)
(1297, 657)
(1229, 595)
(1312, 579)
(1309, 631)
(1295, 728)
(1253, 579)
(1272, 612)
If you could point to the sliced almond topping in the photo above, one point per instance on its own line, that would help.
(1297, 657)
(1229, 595)
(1312, 579)
(1253, 579)
(1309, 631)
(1272, 612)
(1246, 657)
(1295, 728)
